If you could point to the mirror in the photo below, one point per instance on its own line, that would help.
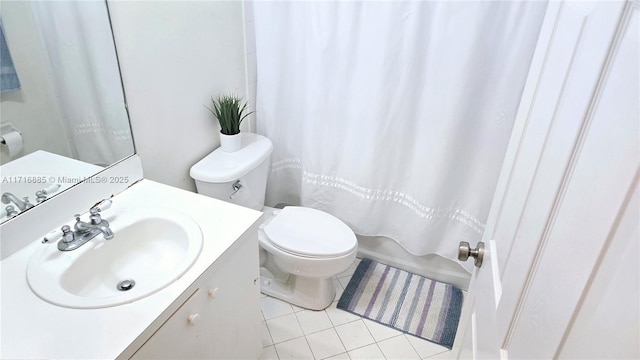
(63, 113)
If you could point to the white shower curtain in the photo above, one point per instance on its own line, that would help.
(392, 116)
(78, 41)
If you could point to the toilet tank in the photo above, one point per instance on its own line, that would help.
(238, 177)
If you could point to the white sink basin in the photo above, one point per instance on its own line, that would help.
(152, 246)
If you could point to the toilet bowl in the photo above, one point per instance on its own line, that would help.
(301, 249)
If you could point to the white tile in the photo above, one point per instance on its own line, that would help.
(339, 317)
(369, 352)
(344, 281)
(325, 343)
(354, 335)
(313, 321)
(269, 353)
(272, 307)
(342, 356)
(266, 337)
(339, 289)
(297, 308)
(425, 348)
(284, 328)
(294, 349)
(446, 355)
(398, 348)
(380, 332)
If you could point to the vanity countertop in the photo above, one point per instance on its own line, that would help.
(33, 328)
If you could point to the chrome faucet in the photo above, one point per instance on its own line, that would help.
(85, 231)
(9, 211)
(8, 198)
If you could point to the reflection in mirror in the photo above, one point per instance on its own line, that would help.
(63, 114)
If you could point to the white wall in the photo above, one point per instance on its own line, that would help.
(252, 68)
(33, 110)
(174, 56)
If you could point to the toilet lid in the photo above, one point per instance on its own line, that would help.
(310, 232)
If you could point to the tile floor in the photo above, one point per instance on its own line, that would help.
(290, 332)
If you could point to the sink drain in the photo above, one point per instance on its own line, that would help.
(126, 285)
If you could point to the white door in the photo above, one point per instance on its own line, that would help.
(564, 219)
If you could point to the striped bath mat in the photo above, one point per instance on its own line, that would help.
(404, 301)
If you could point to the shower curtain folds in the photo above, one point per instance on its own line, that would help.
(392, 116)
(82, 58)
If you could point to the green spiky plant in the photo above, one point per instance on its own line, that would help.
(229, 112)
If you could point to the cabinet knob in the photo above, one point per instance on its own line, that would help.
(193, 318)
(213, 292)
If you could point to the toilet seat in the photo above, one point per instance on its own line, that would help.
(310, 233)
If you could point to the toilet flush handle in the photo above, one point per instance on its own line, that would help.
(237, 186)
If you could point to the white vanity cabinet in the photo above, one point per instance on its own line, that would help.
(211, 311)
(221, 318)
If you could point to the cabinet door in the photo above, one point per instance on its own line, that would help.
(182, 336)
(233, 306)
(221, 319)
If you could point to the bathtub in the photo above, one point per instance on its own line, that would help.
(434, 267)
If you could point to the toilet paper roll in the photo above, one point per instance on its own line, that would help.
(12, 143)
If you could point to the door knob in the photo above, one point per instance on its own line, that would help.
(464, 251)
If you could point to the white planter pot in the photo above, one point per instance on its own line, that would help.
(230, 143)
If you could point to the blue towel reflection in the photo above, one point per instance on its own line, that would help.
(8, 77)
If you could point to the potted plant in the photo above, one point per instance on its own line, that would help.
(228, 111)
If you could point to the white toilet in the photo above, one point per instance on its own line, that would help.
(301, 249)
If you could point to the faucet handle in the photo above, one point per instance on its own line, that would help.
(77, 216)
(51, 189)
(11, 210)
(41, 196)
(101, 206)
(105, 205)
(67, 235)
(52, 236)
